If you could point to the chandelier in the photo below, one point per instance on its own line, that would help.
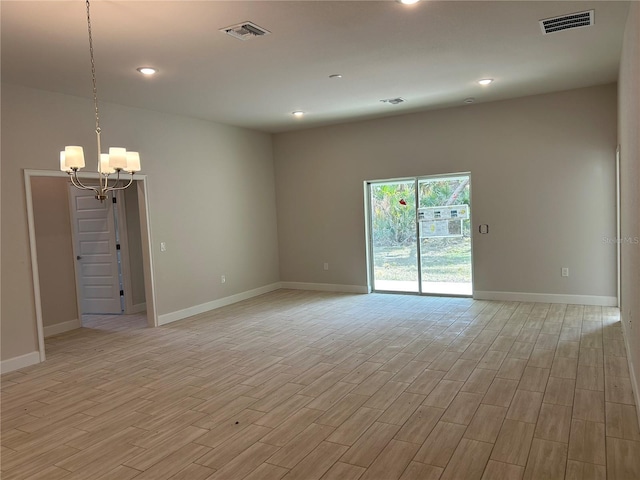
(118, 160)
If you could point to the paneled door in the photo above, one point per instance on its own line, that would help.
(95, 249)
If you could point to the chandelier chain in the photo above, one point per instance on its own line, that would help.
(93, 69)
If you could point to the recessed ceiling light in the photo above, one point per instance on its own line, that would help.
(147, 70)
(335, 75)
(469, 100)
(297, 113)
(408, 2)
(485, 81)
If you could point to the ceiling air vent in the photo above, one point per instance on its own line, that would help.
(566, 22)
(245, 31)
(393, 101)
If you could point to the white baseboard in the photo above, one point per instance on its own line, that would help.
(632, 372)
(61, 327)
(139, 307)
(221, 302)
(547, 298)
(22, 361)
(325, 287)
(634, 379)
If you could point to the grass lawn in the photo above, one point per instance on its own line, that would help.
(443, 260)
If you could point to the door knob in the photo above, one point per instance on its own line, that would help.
(78, 257)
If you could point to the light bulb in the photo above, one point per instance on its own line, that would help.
(117, 157)
(104, 164)
(74, 157)
(133, 162)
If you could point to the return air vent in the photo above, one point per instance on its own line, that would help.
(245, 31)
(566, 22)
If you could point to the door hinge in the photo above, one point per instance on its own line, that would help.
(117, 246)
(121, 293)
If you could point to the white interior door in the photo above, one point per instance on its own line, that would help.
(96, 254)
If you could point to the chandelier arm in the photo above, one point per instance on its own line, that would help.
(107, 188)
(78, 184)
(104, 182)
(115, 187)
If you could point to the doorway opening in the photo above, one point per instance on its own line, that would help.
(107, 248)
(420, 235)
(57, 304)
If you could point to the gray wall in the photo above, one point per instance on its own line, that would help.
(543, 178)
(629, 137)
(134, 242)
(542, 168)
(55, 250)
(211, 199)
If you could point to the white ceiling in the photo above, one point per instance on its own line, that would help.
(431, 53)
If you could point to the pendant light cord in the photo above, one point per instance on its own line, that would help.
(93, 69)
(95, 90)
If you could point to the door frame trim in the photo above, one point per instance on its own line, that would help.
(75, 254)
(120, 211)
(618, 229)
(145, 232)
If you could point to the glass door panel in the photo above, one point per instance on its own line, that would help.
(393, 236)
(445, 235)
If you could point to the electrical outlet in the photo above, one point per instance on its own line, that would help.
(326, 266)
(565, 272)
(163, 247)
(223, 279)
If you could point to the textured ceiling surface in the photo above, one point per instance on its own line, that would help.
(431, 54)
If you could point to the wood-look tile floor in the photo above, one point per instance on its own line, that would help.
(306, 385)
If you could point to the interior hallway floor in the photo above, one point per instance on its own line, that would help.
(309, 385)
(115, 322)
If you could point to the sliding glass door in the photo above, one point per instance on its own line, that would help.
(420, 235)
